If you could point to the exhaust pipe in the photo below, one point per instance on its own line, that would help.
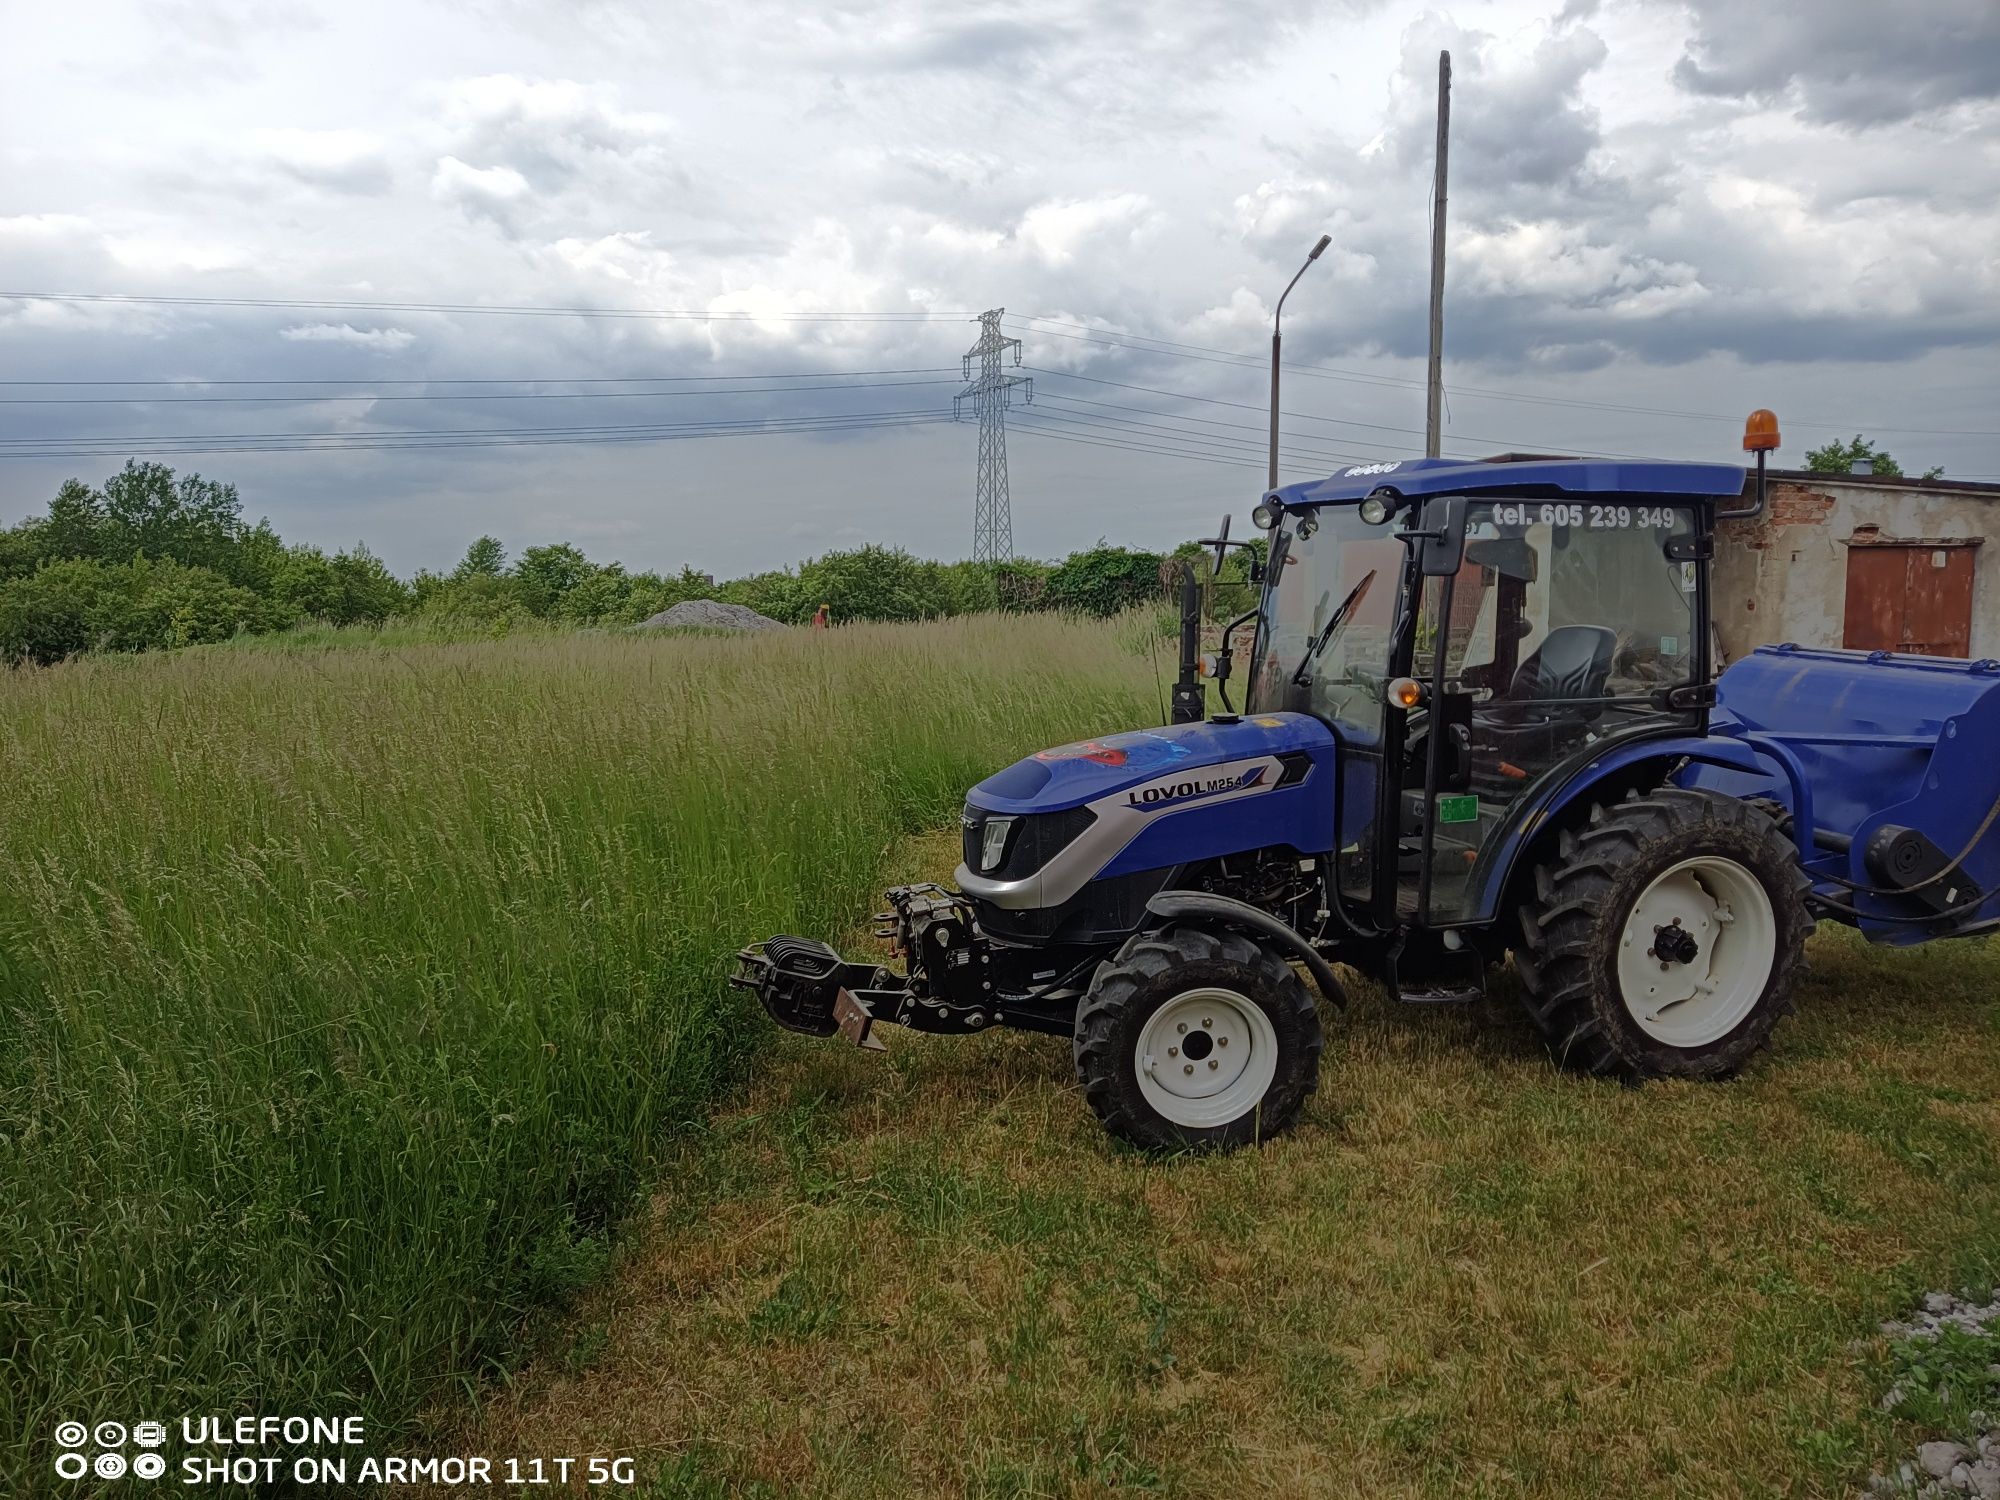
(1190, 698)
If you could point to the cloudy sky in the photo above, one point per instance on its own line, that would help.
(1662, 214)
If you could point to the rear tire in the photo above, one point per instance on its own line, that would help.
(1195, 1040)
(1665, 939)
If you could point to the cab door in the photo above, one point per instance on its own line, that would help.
(1564, 627)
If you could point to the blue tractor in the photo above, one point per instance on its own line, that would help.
(1482, 719)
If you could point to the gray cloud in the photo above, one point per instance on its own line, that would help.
(1846, 62)
(343, 161)
(553, 131)
(1154, 169)
(380, 340)
(1515, 125)
(973, 45)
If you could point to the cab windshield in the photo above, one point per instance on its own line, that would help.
(1323, 644)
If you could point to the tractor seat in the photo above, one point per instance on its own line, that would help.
(1573, 662)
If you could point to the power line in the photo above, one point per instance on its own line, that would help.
(1137, 343)
(1403, 450)
(1172, 432)
(1059, 437)
(1205, 444)
(1153, 390)
(1465, 437)
(193, 380)
(758, 390)
(1227, 357)
(699, 315)
(1255, 463)
(754, 422)
(327, 443)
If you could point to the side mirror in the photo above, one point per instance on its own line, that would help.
(1221, 540)
(1441, 542)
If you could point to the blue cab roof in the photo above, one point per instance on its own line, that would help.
(1416, 477)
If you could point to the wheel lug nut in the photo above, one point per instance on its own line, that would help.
(1173, 1052)
(1189, 1068)
(1207, 1022)
(1212, 1062)
(1222, 1041)
(1181, 1027)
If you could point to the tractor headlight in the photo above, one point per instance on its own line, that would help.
(1375, 509)
(993, 843)
(1266, 516)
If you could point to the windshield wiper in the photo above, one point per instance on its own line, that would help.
(1320, 641)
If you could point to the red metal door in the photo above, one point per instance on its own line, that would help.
(1877, 579)
(1909, 597)
(1938, 620)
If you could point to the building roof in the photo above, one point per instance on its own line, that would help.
(1417, 477)
(1816, 479)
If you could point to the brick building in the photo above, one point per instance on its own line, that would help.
(1863, 560)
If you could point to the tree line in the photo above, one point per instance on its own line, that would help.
(154, 559)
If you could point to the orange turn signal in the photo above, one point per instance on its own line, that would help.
(1760, 433)
(1405, 693)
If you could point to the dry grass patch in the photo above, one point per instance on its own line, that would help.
(1464, 1274)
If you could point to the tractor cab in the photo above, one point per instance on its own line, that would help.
(1474, 634)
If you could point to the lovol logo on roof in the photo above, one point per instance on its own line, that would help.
(1173, 795)
(1382, 468)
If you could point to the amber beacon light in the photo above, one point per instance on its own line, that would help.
(1760, 436)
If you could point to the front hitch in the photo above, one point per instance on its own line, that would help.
(806, 987)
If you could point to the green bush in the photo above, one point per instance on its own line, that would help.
(873, 583)
(77, 578)
(349, 588)
(82, 605)
(50, 614)
(1104, 580)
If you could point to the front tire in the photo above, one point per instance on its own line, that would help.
(1666, 938)
(1194, 1040)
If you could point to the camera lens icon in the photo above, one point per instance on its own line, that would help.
(148, 1466)
(111, 1435)
(110, 1465)
(71, 1434)
(72, 1466)
(148, 1434)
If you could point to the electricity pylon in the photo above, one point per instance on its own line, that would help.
(991, 392)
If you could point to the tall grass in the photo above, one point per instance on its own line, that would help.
(344, 996)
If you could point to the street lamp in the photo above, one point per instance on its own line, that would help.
(1276, 339)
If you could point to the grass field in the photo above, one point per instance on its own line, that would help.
(352, 992)
(346, 995)
(1466, 1274)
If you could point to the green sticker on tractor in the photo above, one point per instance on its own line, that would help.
(1458, 809)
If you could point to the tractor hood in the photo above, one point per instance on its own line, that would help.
(1158, 765)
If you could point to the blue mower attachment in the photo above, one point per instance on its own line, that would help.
(1886, 771)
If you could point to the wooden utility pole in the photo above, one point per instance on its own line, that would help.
(1434, 402)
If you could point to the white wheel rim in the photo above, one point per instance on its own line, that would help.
(1697, 951)
(1206, 1057)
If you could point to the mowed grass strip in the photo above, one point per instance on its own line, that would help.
(928, 1273)
(346, 995)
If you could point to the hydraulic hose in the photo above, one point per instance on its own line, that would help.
(1992, 816)
(1985, 827)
